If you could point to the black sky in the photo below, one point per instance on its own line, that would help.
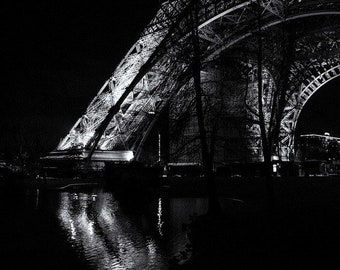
(57, 54)
(322, 111)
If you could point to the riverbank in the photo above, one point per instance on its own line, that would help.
(50, 183)
(251, 189)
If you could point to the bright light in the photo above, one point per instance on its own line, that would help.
(129, 155)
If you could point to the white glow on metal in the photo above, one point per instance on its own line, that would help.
(140, 106)
(98, 155)
(291, 118)
(113, 155)
(220, 15)
(266, 26)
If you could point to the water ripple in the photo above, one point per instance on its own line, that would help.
(109, 239)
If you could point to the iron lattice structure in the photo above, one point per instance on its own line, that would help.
(157, 68)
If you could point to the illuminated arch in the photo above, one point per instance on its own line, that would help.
(296, 103)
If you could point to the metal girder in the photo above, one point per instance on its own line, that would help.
(148, 75)
(298, 100)
(273, 6)
(308, 73)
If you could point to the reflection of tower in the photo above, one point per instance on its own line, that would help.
(107, 238)
(159, 215)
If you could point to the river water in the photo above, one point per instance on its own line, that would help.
(93, 229)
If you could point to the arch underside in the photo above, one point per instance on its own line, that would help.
(320, 73)
(327, 71)
(161, 59)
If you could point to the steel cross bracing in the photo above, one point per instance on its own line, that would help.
(307, 74)
(152, 71)
(85, 128)
(297, 101)
(322, 73)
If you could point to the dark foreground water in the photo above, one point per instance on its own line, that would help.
(92, 230)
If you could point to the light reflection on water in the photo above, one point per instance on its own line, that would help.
(109, 236)
(159, 215)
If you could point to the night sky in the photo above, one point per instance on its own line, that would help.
(57, 55)
(322, 111)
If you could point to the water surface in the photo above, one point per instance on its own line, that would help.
(93, 229)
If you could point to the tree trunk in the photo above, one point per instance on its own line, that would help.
(267, 148)
(207, 160)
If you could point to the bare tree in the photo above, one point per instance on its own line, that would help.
(207, 160)
(279, 58)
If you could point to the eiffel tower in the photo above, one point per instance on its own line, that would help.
(156, 72)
